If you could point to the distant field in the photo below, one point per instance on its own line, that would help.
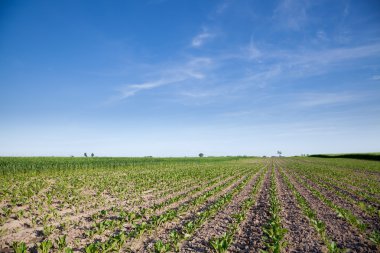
(363, 156)
(229, 204)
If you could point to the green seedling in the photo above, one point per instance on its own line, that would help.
(68, 250)
(19, 247)
(61, 242)
(333, 248)
(175, 238)
(161, 247)
(92, 248)
(45, 246)
(239, 217)
(375, 237)
(221, 244)
(47, 230)
(189, 229)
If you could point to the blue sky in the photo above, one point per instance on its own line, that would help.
(176, 77)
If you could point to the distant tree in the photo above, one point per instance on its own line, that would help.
(92, 155)
(279, 153)
(201, 155)
(85, 154)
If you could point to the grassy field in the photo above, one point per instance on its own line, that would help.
(362, 156)
(227, 204)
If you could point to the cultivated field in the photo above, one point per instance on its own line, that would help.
(189, 205)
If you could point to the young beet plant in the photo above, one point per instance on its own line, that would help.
(61, 243)
(189, 229)
(221, 244)
(175, 239)
(161, 247)
(44, 247)
(19, 247)
(333, 248)
(375, 237)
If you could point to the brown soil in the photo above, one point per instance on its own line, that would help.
(249, 238)
(218, 224)
(373, 222)
(360, 174)
(301, 237)
(145, 244)
(127, 226)
(340, 231)
(349, 193)
(22, 230)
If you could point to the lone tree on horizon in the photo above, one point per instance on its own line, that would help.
(92, 155)
(85, 154)
(201, 154)
(279, 153)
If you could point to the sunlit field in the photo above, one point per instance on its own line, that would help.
(228, 204)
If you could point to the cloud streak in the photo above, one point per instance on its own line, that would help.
(291, 14)
(325, 99)
(267, 66)
(131, 89)
(201, 38)
(271, 65)
(193, 69)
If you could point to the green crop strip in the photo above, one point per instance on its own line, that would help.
(155, 221)
(111, 204)
(318, 225)
(274, 232)
(220, 244)
(79, 186)
(342, 212)
(369, 209)
(131, 217)
(191, 226)
(343, 179)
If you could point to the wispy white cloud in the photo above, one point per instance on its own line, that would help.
(253, 51)
(262, 77)
(291, 14)
(322, 99)
(340, 54)
(203, 94)
(201, 38)
(131, 89)
(375, 77)
(198, 94)
(321, 35)
(222, 6)
(298, 63)
(192, 69)
(261, 67)
(238, 113)
(346, 10)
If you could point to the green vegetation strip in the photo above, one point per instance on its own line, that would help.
(318, 225)
(369, 209)
(274, 232)
(132, 217)
(221, 244)
(138, 230)
(190, 227)
(343, 213)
